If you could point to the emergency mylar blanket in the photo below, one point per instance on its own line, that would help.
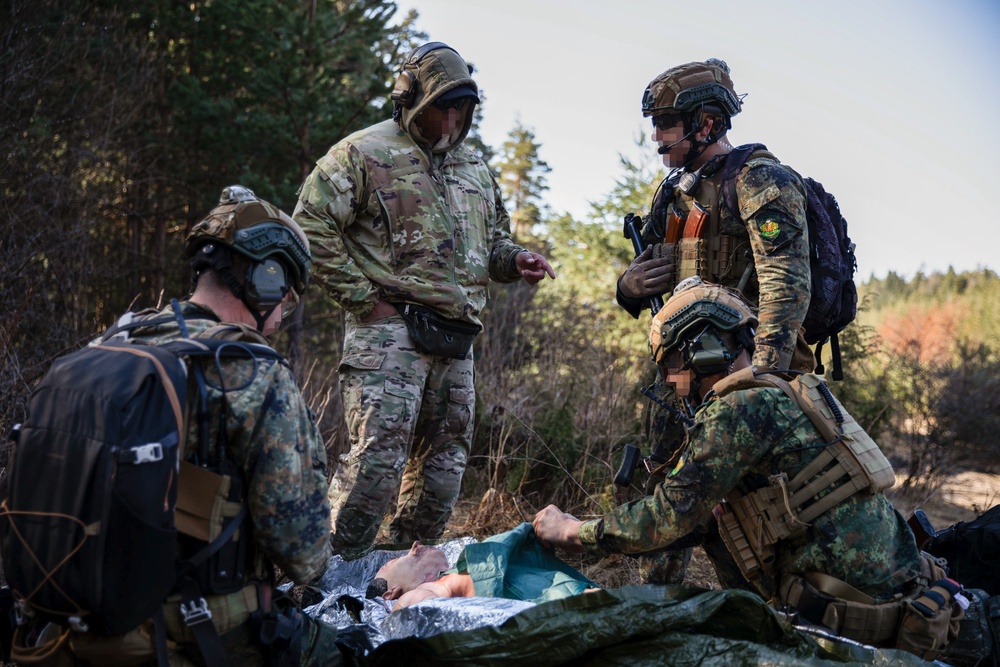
(630, 626)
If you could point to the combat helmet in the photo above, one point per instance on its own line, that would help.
(690, 323)
(686, 88)
(276, 247)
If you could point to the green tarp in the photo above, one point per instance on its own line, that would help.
(635, 626)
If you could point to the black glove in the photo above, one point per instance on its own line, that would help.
(652, 272)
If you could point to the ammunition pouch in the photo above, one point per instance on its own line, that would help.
(922, 622)
(433, 334)
(692, 259)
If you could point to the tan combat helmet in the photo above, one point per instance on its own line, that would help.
(686, 88)
(690, 321)
(255, 229)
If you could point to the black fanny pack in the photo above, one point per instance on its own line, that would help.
(434, 334)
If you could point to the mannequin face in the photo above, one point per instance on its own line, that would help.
(420, 565)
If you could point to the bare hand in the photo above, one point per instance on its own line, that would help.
(556, 528)
(382, 310)
(533, 267)
(652, 272)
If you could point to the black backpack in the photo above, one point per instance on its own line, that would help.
(972, 549)
(833, 302)
(87, 529)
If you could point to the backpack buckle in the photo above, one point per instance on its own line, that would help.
(149, 453)
(195, 612)
(77, 624)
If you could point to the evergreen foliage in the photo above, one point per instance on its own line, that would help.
(122, 122)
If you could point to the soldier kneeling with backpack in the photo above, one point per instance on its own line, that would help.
(164, 470)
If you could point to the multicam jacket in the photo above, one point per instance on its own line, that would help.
(390, 217)
(273, 439)
(771, 225)
(738, 442)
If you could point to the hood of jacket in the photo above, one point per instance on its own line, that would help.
(438, 72)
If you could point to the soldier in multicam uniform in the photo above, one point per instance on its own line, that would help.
(794, 484)
(408, 227)
(251, 264)
(763, 251)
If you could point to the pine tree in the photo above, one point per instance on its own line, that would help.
(522, 179)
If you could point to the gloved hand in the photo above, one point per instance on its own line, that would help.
(651, 272)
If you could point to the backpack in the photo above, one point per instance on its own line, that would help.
(972, 549)
(87, 528)
(833, 301)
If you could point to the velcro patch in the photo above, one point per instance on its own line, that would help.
(769, 229)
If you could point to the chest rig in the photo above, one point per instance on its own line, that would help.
(711, 241)
(850, 463)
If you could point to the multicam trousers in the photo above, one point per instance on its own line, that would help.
(410, 418)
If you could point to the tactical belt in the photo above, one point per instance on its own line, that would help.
(850, 614)
(827, 601)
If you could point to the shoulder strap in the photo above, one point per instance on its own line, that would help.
(806, 390)
(741, 379)
(735, 162)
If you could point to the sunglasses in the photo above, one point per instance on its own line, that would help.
(444, 105)
(665, 121)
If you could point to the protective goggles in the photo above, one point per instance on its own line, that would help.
(665, 121)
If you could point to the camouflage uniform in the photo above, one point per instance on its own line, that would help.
(737, 442)
(273, 439)
(772, 227)
(391, 218)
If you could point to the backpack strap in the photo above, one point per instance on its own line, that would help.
(198, 617)
(735, 162)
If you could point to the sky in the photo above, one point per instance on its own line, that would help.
(893, 105)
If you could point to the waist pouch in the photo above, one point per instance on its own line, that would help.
(434, 334)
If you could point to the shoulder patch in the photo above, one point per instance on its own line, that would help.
(769, 228)
(330, 171)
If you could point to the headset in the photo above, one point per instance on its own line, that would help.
(407, 86)
(266, 284)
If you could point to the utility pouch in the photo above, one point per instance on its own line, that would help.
(206, 503)
(931, 621)
(434, 334)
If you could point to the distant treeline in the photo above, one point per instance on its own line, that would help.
(120, 122)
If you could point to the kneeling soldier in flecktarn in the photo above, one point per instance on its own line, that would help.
(239, 482)
(793, 483)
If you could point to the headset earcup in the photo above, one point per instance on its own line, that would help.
(405, 89)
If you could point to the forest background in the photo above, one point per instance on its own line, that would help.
(121, 122)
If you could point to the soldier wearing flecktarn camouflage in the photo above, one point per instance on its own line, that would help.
(251, 264)
(763, 251)
(408, 227)
(793, 483)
